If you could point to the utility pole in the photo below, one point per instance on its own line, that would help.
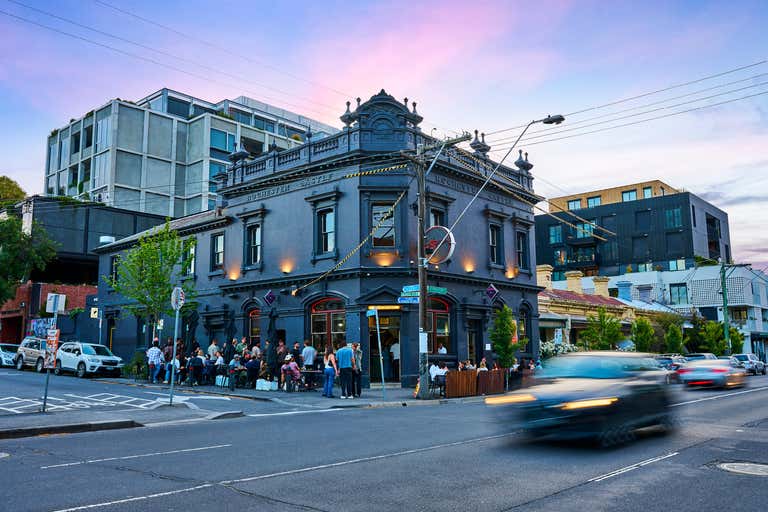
(421, 178)
(726, 326)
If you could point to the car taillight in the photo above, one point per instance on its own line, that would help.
(719, 370)
(681, 371)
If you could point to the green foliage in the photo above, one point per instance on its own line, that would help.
(501, 337)
(713, 338)
(20, 254)
(603, 331)
(148, 272)
(693, 336)
(701, 261)
(643, 334)
(737, 340)
(674, 339)
(74, 312)
(139, 361)
(10, 191)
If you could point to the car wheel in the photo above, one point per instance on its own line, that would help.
(39, 365)
(81, 370)
(615, 435)
(669, 423)
(20, 363)
(57, 370)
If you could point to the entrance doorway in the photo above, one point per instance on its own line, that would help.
(475, 340)
(390, 347)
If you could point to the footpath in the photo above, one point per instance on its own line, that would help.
(371, 398)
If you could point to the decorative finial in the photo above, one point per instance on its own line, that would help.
(414, 107)
(405, 102)
(483, 135)
(358, 102)
(348, 104)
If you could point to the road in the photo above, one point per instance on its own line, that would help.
(444, 457)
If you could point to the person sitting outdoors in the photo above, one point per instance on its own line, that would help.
(195, 364)
(234, 368)
(252, 370)
(433, 371)
(469, 366)
(483, 366)
(442, 369)
(209, 370)
(289, 370)
(460, 367)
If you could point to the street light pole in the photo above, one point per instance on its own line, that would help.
(726, 325)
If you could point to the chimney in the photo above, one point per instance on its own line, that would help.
(573, 281)
(601, 285)
(645, 292)
(544, 276)
(625, 290)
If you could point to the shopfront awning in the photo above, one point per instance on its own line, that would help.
(552, 320)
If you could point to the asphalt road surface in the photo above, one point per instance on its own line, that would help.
(444, 457)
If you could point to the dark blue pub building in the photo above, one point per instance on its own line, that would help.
(288, 217)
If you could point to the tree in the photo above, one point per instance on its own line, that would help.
(148, 272)
(10, 191)
(674, 339)
(21, 253)
(693, 337)
(643, 334)
(501, 335)
(603, 331)
(713, 339)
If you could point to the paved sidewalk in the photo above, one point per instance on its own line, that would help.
(372, 398)
(69, 422)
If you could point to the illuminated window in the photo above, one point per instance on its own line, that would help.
(329, 323)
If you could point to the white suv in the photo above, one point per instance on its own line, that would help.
(87, 358)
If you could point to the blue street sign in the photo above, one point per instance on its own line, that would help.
(411, 288)
(370, 312)
(407, 300)
(409, 294)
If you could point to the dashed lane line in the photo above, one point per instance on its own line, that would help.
(631, 467)
(128, 457)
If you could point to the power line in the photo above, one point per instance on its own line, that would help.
(725, 93)
(162, 52)
(147, 59)
(228, 51)
(643, 120)
(669, 88)
(602, 116)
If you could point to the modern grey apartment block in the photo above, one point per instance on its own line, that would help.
(158, 155)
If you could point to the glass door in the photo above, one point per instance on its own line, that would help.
(390, 347)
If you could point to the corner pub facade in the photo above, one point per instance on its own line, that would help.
(290, 216)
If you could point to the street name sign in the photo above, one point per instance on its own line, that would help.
(411, 288)
(407, 300)
(414, 288)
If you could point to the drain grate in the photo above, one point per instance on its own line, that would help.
(745, 468)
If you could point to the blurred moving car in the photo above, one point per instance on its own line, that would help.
(751, 363)
(8, 354)
(31, 352)
(671, 362)
(713, 373)
(700, 356)
(600, 395)
(85, 358)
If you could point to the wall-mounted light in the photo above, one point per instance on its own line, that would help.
(383, 259)
(233, 275)
(286, 267)
(469, 266)
(512, 272)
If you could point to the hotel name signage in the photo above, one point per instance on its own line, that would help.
(286, 187)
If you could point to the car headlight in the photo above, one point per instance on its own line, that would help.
(93, 360)
(585, 404)
(510, 399)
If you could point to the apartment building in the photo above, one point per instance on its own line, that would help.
(160, 154)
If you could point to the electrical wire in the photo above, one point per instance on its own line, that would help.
(641, 121)
(206, 78)
(646, 94)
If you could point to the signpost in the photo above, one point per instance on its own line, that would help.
(177, 301)
(54, 304)
(375, 312)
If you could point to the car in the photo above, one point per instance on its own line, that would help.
(700, 356)
(713, 373)
(598, 395)
(751, 363)
(8, 354)
(670, 363)
(31, 352)
(87, 359)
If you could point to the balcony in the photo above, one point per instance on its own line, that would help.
(584, 241)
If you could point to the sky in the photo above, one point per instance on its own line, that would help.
(486, 65)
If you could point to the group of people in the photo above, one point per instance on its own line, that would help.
(245, 363)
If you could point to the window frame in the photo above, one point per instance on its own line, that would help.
(214, 266)
(571, 203)
(386, 205)
(190, 249)
(328, 317)
(647, 192)
(555, 228)
(434, 314)
(249, 219)
(673, 218)
(250, 245)
(325, 237)
(323, 203)
(674, 291)
(496, 247)
(522, 251)
(628, 195)
(592, 199)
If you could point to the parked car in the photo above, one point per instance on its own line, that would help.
(751, 363)
(31, 352)
(87, 358)
(602, 395)
(700, 356)
(670, 363)
(8, 354)
(713, 373)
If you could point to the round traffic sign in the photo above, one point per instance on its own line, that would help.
(177, 298)
(437, 253)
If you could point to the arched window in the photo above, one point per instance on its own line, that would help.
(439, 325)
(329, 323)
(254, 326)
(523, 326)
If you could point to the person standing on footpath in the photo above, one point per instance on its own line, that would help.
(346, 361)
(228, 351)
(330, 372)
(213, 347)
(357, 372)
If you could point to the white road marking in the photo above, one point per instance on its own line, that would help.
(631, 467)
(283, 473)
(289, 413)
(719, 396)
(200, 397)
(365, 459)
(135, 498)
(127, 457)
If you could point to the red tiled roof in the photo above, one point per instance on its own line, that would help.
(596, 300)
